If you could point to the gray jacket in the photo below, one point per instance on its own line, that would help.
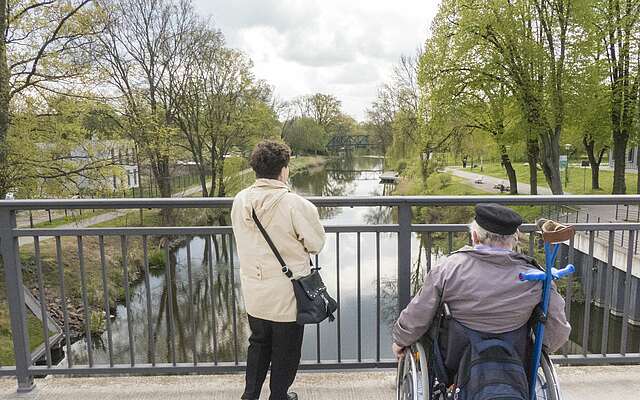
(484, 293)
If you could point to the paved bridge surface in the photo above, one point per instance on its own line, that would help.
(578, 383)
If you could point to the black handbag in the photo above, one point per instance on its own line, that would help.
(313, 302)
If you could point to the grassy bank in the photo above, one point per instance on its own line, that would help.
(301, 163)
(34, 326)
(579, 178)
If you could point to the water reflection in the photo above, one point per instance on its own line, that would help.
(203, 309)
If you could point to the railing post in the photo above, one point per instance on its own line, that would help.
(404, 255)
(15, 295)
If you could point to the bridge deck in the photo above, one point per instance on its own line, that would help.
(578, 383)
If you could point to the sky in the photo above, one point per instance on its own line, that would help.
(346, 48)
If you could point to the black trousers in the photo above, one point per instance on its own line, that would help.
(277, 344)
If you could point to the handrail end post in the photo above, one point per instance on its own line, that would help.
(9, 250)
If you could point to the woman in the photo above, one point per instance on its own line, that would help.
(294, 227)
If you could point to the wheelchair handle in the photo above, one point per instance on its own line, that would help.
(541, 275)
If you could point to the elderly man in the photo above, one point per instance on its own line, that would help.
(481, 287)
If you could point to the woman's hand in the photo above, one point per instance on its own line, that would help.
(398, 351)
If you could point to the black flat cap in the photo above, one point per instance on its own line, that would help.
(498, 219)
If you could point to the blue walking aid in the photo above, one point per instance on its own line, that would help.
(553, 234)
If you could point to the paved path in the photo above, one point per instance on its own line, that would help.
(584, 383)
(488, 182)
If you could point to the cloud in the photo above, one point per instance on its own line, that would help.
(347, 48)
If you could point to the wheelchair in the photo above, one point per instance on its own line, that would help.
(417, 378)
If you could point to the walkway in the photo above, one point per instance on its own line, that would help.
(584, 383)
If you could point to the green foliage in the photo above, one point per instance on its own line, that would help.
(305, 136)
(157, 260)
(56, 149)
(445, 180)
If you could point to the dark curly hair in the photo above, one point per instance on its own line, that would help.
(268, 158)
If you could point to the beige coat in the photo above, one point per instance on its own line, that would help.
(294, 226)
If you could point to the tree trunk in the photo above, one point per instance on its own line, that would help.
(551, 161)
(221, 187)
(532, 158)
(594, 162)
(619, 159)
(202, 177)
(4, 101)
(638, 174)
(162, 175)
(511, 172)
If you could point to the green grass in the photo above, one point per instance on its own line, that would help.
(579, 178)
(34, 327)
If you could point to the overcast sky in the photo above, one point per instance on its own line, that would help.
(346, 48)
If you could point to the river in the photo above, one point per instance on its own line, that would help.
(203, 306)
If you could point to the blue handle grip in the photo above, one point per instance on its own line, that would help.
(561, 273)
(532, 276)
(541, 275)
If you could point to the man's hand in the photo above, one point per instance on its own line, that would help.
(398, 351)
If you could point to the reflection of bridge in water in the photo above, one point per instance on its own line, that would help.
(348, 142)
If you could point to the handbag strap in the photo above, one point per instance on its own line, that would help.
(285, 269)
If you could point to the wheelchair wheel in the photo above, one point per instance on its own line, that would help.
(547, 387)
(413, 375)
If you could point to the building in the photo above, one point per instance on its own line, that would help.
(123, 173)
(632, 157)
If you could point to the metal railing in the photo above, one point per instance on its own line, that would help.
(215, 333)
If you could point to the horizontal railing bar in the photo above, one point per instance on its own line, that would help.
(178, 231)
(620, 226)
(125, 231)
(181, 368)
(349, 228)
(353, 201)
(596, 359)
(8, 371)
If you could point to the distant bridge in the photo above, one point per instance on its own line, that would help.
(348, 142)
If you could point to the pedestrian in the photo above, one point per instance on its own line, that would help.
(294, 226)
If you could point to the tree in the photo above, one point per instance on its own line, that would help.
(618, 20)
(236, 109)
(41, 52)
(305, 135)
(58, 151)
(322, 108)
(380, 119)
(141, 41)
(588, 113)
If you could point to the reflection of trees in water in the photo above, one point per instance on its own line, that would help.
(377, 215)
(204, 314)
(205, 306)
(419, 269)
